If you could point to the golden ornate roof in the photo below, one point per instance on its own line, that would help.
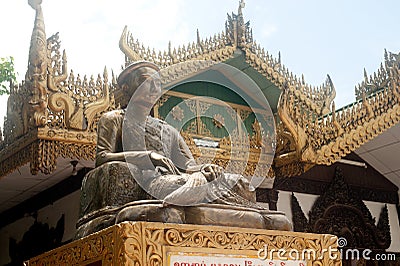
(309, 129)
(324, 139)
(54, 112)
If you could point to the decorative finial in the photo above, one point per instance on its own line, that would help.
(36, 75)
(198, 37)
(131, 55)
(241, 6)
(35, 4)
(365, 75)
(386, 56)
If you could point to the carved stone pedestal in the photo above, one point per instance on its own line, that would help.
(148, 243)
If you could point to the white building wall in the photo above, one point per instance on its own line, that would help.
(68, 205)
(375, 209)
(15, 230)
(306, 202)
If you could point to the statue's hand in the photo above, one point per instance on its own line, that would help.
(192, 192)
(212, 171)
(196, 180)
(160, 160)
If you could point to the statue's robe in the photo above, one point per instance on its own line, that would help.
(126, 189)
(114, 183)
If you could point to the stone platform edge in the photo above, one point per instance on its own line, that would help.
(150, 243)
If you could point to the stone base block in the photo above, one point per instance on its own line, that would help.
(203, 214)
(153, 243)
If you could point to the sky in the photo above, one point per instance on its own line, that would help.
(314, 37)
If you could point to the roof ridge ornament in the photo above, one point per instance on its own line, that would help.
(35, 4)
(36, 75)
(130, 54)
(242, 5)
(239, 32)
(380, 79)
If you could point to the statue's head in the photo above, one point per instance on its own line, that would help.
(142, 75)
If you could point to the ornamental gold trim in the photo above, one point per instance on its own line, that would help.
(149, 243)
(325, 139)
(42, 155)
(52, 113)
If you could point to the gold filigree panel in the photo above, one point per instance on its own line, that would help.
(243, 150)
(147, 243)
(42, 155)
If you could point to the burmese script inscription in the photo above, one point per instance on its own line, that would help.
(180, 259)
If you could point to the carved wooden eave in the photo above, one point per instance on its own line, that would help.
(325, 139)
(51, 114)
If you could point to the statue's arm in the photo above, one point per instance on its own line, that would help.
(109, 136)
(182, 156)
(210, 171)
